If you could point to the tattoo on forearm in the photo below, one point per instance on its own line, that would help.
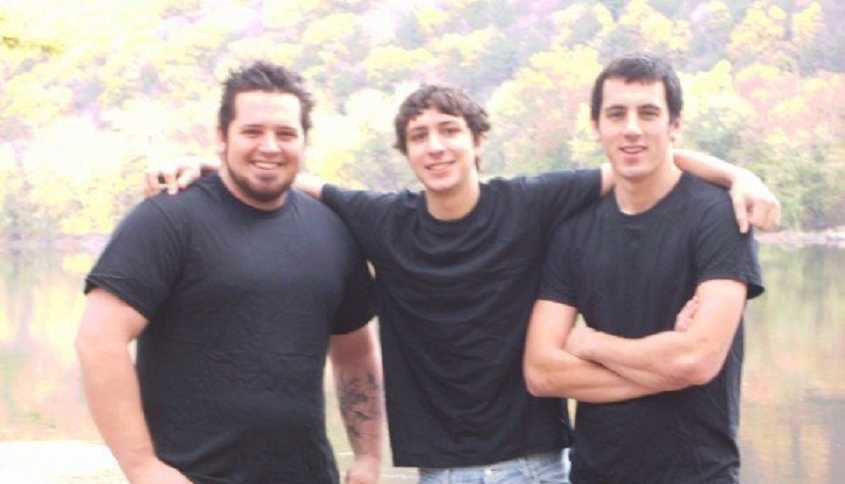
(359, 403)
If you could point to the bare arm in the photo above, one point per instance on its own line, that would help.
(551, 371)
(112, 389)
(672, 359)
(357, 373)
(753, 202)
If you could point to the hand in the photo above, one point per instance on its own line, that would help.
(310, 184)
(157, 472)
(175, 175)
(578, 341)
(754, 203)
(364, 470)
(687, 314)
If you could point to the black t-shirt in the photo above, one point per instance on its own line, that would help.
(453, 299)
(629, 275)
(241, 304)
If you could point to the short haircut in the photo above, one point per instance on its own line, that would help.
(448, 100)
(640, 68)
(264, 77)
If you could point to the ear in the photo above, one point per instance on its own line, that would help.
(596, 134)
(221, 142)
(675, 129)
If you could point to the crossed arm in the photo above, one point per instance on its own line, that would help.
(562, 360)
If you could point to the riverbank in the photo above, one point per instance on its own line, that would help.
(57, 462)
(93, 243)
(832, 237)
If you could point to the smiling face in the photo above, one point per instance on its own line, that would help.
(263, 148)
(634, 127)
(442, 153)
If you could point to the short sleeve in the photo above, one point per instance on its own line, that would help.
(722, 252)
(557, 283)
(356, 309)
(361, 210)
(561, 194)
(141, 261)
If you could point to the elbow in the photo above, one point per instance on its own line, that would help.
(85, 345)
(697, 370)
(537, 381)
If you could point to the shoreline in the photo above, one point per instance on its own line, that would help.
(833, 237)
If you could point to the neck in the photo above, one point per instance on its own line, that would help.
(453, 205)
(637, 195)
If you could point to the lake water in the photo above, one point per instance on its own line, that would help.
(793, 401)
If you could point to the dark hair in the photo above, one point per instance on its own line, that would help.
(640, 68)
(265, 77)
(448, 100)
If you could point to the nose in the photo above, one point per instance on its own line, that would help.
(632, 125)
(269, 144)
(435, 144)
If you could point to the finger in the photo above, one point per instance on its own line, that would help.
(740, 211)
(760, 215)
(170, 182)
(187, 177)
(774, 215)
(151, 184)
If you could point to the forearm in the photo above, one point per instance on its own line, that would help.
(113, 395)
(558, 373)
(662, 361)
(709, 167)
(359, 391)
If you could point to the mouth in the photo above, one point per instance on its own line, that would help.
(632, 150)
(439, 166)
(267, 165)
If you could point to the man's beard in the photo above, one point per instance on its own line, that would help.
(249, 190)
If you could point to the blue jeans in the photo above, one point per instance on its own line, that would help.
(545, 468)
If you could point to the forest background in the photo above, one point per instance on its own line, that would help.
(92, 90)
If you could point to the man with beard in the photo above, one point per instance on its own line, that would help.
(235, 290)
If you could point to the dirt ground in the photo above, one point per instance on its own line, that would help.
(57, 462)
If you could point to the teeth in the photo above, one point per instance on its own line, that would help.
(265, 165)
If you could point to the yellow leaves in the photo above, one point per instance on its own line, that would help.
(657, 32)
(574, 68)
(759, 31)
(287, 15)
(387, 63)
(330, 28)
(468, 48)
(806, 24)
(247, 49)
(430, 19)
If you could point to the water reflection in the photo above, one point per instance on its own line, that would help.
(793, 412)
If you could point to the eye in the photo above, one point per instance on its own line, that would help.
(417, 136)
